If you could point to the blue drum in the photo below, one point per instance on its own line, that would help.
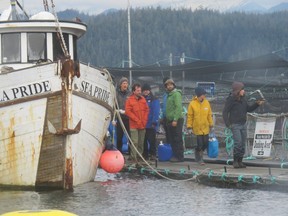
(164, 152)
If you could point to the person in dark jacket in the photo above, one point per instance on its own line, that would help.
(235, 116)
(152, 124)
(122, 94)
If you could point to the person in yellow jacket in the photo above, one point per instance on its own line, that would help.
(199, 122)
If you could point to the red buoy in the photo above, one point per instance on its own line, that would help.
(112, 161)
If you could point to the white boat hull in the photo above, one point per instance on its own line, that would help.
(52, 137)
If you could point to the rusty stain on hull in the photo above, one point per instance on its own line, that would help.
(52, 154)
(53, 148)
(69, 174)
(11, 151)
(67, 74)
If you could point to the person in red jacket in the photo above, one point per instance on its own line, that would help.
(137, 110)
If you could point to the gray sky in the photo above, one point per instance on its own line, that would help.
(89, 6)
(97, 6)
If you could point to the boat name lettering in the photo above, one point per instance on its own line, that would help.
(24, 91)
(95, 91)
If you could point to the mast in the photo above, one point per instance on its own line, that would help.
(129, 44)
(14, 15)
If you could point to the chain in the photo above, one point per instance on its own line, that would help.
(59, 32)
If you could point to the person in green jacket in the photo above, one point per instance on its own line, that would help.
(175, 120)
(199, 122)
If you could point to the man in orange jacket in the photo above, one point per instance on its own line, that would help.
(137, 110)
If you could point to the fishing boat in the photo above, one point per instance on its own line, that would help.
(54, 110)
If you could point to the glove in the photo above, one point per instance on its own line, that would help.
(260, 102)
(121, 111)
(189, 131)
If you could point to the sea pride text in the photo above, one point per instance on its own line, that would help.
(95, 91)
(45, 86)
(24, 91)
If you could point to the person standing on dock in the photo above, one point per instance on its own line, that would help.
(199, 122)
(175, 120)
(122, 94)
(163, 119)
(235, 117)
(152, 123)
(137, 110)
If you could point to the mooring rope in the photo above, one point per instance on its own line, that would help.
(153, 170)
(229, 141)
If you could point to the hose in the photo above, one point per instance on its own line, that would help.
(229, 141)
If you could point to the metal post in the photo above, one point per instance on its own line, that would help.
(170, 64)
(129, 44)
(182, 60)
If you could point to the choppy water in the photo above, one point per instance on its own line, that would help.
(127, 195)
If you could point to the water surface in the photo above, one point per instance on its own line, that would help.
(129, 195)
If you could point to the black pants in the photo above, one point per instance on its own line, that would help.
(150, 136)
(120, 133)
(167, 135)
(175, 133)
(202, 142)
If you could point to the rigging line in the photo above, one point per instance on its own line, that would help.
(116, 105)
(275, 51)
(20, 6)
(45, 4)
(266, 84)
(174, 68)
(59, 32)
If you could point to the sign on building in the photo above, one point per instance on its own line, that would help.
(263, 137)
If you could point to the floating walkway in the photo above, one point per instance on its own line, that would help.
(260, 174)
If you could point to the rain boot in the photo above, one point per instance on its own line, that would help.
(201, 162)
(236, 163)
(241, 164)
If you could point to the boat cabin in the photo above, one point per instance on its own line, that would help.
(38, 39)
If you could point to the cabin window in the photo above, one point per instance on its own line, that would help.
(11, 49)
(36, 46)
(57, 50)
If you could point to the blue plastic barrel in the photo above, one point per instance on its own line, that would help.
(164, 152)
(125, 147)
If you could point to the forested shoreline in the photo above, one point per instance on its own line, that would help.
(156, 33)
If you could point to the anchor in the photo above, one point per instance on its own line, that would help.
(67, 75)
(64, 131)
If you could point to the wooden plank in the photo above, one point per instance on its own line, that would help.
(51, 161)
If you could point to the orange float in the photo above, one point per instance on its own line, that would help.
(112, 161)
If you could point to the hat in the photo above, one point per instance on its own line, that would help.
(200, 91)
(123, 79)
(237, 87)
(146, 86)
(169, 81)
